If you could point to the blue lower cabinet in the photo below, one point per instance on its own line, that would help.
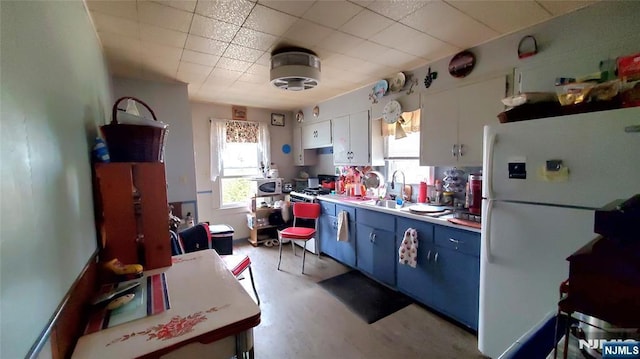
(418, 282)
(327, 226)
(457, 279)
(376, 253)
(346, 250)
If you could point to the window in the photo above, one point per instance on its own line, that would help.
(402, 153)
(238, 149)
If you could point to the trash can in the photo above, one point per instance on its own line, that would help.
(222, 238)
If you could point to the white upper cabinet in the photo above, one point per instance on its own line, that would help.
(452, 123)
(302, 157)
(357, 140)
(316, 135)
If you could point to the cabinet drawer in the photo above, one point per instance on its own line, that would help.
(425, 230)
(458, 240)
(328, 208)
(376, 219)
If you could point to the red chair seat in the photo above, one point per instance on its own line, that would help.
(298, 233)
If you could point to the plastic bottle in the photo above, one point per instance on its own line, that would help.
(100, 151)
(422, 192)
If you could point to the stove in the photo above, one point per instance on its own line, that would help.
(316, 191)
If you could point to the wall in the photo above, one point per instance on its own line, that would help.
(208, 195)
(55, 92)
(170, 102)
(569, 46)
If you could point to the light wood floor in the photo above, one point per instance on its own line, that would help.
(302, 320)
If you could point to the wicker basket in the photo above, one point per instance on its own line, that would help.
(134, 143)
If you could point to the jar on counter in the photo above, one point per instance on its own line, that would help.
(447, 198)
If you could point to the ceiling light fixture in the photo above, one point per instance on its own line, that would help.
(294, 69)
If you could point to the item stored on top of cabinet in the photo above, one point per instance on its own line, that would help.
(428, 80)
(378, 90)
(462, 64)
(629, 67)
(300, 116)
(527, 47)
(397, 82)
(133, 142)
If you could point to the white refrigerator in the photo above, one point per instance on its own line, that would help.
(536, 213)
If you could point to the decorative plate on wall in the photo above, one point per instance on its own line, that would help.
(316, 112)
(300, 116)
(397, 82)
(462, 64)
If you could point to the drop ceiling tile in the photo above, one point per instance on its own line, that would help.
(209, 46)
(268, 20)
(396, 9)
(115, 25)
(366, 50)
(366, 24)
(332, 14)
(394, 58)
(342, 62)
(295, 8)
(164, 16)
(199, 58)
(562, 7)
(307, 34)
(235, 11)
(160, 68)
(340, 42)
(193, 88)
(150, 49)
(124, 9)
(190, 74)
(265, 59)
(448, 24)
(238, 52)
(363, 3)
(252, 78)
(221, 76)
(261, 70)
(373, 69)
(162, 36)
(213, 29)
(427, 47)
(502, 16)
(254, 39)
(120, 43)
(187, 5)
(233, 64)
(124, 70)
(122, 57)
(201, 70)
(394, 35)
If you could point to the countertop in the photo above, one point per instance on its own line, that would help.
(366, 203)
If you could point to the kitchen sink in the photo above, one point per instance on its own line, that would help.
(386, 203)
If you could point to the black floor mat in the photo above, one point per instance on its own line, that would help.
(365, 297)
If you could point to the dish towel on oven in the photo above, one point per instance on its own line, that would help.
(343, 226)
(408, 251)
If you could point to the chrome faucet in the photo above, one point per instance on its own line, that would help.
(393, 179)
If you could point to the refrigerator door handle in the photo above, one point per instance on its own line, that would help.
(487, 228)
(489, 170)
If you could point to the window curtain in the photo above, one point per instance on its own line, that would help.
(411, 124)
(223, 131)
(217, 136)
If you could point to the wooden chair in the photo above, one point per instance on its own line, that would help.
(199, 238)
(301, 210)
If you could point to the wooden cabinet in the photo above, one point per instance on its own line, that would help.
(357, 140)
(260, 229)
(375, 245)
(316, 135)
(302, 157)
(452, 123)
(133, 213)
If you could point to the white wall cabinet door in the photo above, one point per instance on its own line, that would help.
(301, 157)
(341, 140)
(439, 129)
(452, 123)
(360, 138)
(479, 105)
(316, 135)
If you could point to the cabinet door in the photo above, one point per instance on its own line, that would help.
(346, 251)
(298, 158)
(439, 129)
(458, 284)
(360, 137)
(317, 135)
(478, 105)
(418, 282)
(364, 248)
(384, 256)
(341, 143)
(327, 226)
